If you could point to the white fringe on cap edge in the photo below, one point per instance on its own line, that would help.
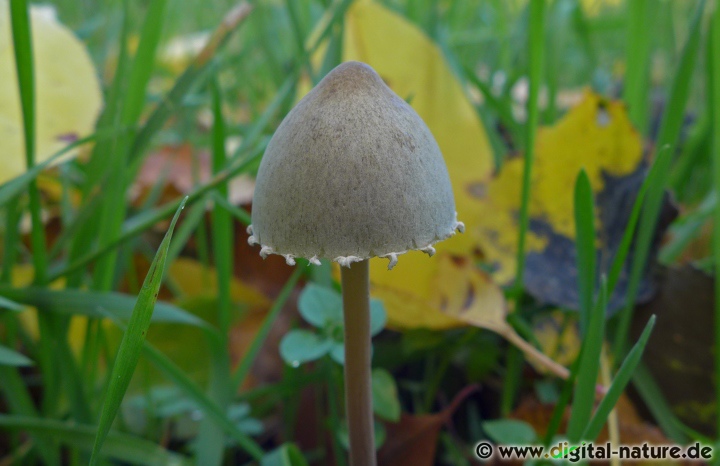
(346, 261)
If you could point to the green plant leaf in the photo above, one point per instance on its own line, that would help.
(667, 140)
(319, 305)
(510, 431)
(95, 304)
(623, 376)
(288, 454)
(337, 352)
(585, 246)
(10, 305)
(10, 357)
(120, 447)
(378, 316)
(588, 368)
(385, 395)
(132, 341)
(301, 346)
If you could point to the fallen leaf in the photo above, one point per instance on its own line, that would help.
(633, 429)
(679, 355)
(413, 440)
(183, 168)
(469, 295)
(68, 95)
(557, 338)
(595, 136)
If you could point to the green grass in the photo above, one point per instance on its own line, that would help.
(64, 387)
(132, 341)
(714, 110)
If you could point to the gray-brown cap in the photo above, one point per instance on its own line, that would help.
(352, 173)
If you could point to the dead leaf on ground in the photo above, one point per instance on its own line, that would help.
(596, 136)
(468, 294)
(633, 429)
(413, 440)
(679, 354)
(182, 168)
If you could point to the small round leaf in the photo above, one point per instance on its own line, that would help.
(300, 346)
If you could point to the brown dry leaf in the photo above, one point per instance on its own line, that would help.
(633, 429)
(174, 165)
(679, 354)
(413, 440)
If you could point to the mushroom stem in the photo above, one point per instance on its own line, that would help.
(358, 389)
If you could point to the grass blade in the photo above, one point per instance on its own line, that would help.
(11, 305)
(209, 408)
(211, 441)
(589, 365)
(132, 341)
(623, 249)
(658, 406)
(9, 357)
(637, 62)
(22, 45)
(659, 173)
(19, 401)
(94, 304)
(144, 62)
(120, 447)
(18, 185)
(585, 246)
(536, 44)
(242, 215)
(187, 80)
(626, 371)
(113, 209)
(714, 78)
(247, 361)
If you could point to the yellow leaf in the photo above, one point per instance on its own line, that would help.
(469, 295)
(595, 135)
(195, 280)
(409, 291)
(68, 95)
(558, 338)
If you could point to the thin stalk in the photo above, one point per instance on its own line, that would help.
(358, 382)
(536, 39)
(22, 46)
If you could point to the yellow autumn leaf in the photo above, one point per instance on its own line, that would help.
(595, 135)
(195, 280)
(469, 295)
(68, 96)
(557, 337)
(199, 286)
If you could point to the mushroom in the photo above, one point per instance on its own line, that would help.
(352, 173)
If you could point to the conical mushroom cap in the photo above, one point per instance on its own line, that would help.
(351, 173)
